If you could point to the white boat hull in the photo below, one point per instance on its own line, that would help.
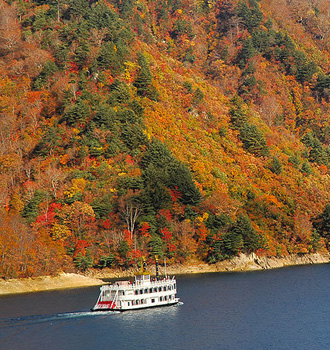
(137, 307)
(141, 294)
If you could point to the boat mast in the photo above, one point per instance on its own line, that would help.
(143, 266)
(157, 267)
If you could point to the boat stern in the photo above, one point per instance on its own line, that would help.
(104, 306)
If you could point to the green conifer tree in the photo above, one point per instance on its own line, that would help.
(253, 140)
(276, 166)
(244, 228)
(143, 80)
(238, 116)
(322, 222)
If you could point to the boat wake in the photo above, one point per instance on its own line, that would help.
(35, 319)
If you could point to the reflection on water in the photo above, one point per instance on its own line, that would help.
(137, 323)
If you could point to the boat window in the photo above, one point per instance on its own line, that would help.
(153, 300)
(165, 288)
(106, 293)
(136, 292)
(146, 291)
(150, 290)
(141, 291)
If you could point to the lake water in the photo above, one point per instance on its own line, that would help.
(280, 309)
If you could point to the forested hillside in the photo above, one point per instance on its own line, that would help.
(187, 129)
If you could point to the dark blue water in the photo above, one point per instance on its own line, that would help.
(280, 309)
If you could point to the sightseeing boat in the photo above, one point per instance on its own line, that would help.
(144, 292)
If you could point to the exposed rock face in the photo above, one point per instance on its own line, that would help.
(241, 263)
(251, 263)
(296, 259)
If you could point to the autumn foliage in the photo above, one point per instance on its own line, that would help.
(182, 129)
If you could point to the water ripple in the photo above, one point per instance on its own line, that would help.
(35, 319)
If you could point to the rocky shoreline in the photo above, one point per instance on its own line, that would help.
(243, 263)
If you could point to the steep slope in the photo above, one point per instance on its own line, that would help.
(183, 129)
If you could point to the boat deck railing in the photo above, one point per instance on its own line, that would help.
(141, 284)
